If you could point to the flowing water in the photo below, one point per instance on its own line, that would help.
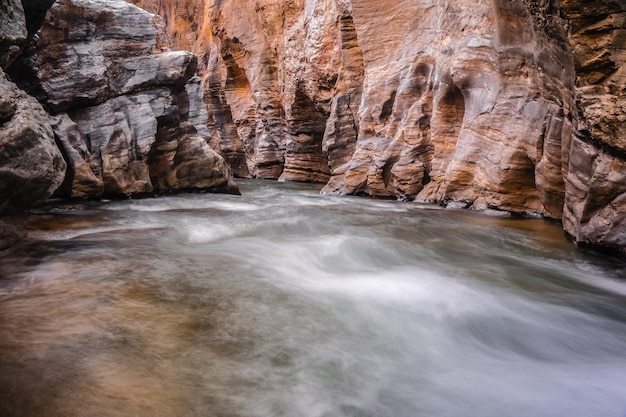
(283, 302)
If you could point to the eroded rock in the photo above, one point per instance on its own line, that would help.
(514, 105)
(31, 166)
(123, 106)
(13, 32)
(595, 206)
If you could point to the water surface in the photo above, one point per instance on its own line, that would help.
(284, 302)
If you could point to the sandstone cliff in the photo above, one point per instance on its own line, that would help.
(514, 105)
(31, 166)
(595, 207)
(128, 113)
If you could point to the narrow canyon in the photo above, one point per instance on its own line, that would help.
(316, 208)
(512, 105)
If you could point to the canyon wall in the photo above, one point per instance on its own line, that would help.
(127, 112)
(595, 207)
(512, 105)
(93, 102)
(31, 166)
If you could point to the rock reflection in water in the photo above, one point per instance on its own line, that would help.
(287, 303)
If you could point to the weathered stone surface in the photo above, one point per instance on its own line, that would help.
(293, 73)
(13, 31)
(461, 108)
(595, 207)
(31, 166)
(598, 36)
(126, 110)
(239, 157)
(269, 105)
(516, 105)
(185, 22)
(88, 50)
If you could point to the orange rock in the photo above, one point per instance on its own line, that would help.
(518, 105)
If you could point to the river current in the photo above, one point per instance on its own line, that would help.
(285, 302)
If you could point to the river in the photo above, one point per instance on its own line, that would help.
(285, 302)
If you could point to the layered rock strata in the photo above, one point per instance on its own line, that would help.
(595, 206)
(269, 104)
(31, 166)
(514, 105)
(127, 112)
(470, 108)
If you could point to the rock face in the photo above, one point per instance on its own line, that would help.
(516, 105)
(267, 103)
(13, 30)
(127, 112)
(470, 108)
(31, 166)
(595, 207)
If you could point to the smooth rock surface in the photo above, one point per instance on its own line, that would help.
(512, 105)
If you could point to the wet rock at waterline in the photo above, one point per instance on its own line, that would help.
(31, 166)
(488, 104)
(126, 110)
(513, 105)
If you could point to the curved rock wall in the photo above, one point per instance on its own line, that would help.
(460, 110)
(270, 70)
(515, 105)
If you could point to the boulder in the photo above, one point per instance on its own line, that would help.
(31, 166)
(125, 109)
